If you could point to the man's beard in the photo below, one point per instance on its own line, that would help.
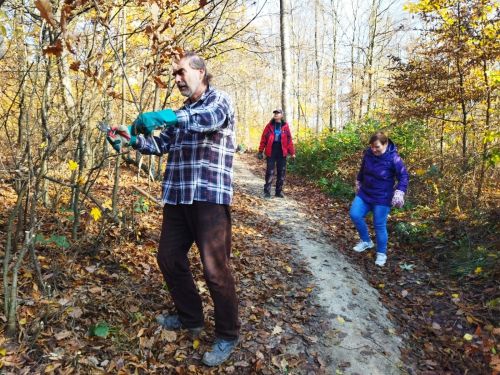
(186, 90)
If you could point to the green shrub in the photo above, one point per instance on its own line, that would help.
(411, 232)
(332, 159)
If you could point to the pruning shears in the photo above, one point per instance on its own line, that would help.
(104, 127)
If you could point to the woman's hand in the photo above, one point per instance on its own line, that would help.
(398, 200)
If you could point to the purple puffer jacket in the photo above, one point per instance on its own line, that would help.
(378, 173)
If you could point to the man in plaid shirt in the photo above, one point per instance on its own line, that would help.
(197, 192)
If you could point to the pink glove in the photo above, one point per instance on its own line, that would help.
(398, 200)
(357, 186)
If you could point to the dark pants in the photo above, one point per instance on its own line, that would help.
(277, 159)
(209, 226)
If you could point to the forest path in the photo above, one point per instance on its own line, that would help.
(360, 339)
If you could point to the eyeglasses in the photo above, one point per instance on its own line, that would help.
(277, 112)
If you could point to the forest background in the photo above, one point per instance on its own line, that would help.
(426, 72)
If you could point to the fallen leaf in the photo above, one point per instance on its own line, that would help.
(95, 213)
(76, 312)
(95, 290)
(169, 336)
(468, 337)
(277, 330)
(241, 364)
(62, 335)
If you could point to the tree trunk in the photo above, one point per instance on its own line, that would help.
(12, 309)
(487, 120)
(352, 106)
(116, 184)
(285, 58)
(318, 66)
(332, 124)
(371, 49)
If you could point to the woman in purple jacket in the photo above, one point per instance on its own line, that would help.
(377, 191)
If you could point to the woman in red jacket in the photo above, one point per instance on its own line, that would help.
(276, 142)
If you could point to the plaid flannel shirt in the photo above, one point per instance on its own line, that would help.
(200, 151)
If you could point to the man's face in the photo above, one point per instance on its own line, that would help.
(187, 79)
(277, 116)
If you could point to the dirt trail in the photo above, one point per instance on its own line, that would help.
(362, 339)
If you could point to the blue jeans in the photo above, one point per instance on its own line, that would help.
(359, 209)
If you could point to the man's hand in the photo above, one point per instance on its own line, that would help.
(260, 155)
(398, 200)
(357, 186)
(120, 136)
(145, 123)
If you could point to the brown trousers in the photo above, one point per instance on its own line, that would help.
(209, 226)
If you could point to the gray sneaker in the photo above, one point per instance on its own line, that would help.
(173, 323)
(221, 350)
(362, 246)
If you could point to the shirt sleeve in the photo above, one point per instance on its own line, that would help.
(164, 140)
(207, 118)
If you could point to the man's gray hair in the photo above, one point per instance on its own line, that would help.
(197, 62)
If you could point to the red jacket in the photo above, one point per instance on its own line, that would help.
(267, 139)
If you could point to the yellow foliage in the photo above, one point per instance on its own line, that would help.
(107, 204)
(72, 165)
(95, 213)
(196, 344)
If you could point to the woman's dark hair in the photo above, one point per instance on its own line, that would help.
(378, 136)
(197, 62)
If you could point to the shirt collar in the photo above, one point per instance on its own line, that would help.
(187, 102)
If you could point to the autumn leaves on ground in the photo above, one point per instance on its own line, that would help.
(97, 314)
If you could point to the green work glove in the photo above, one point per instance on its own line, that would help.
(260, 155)
(120, 136)
(145, 123)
